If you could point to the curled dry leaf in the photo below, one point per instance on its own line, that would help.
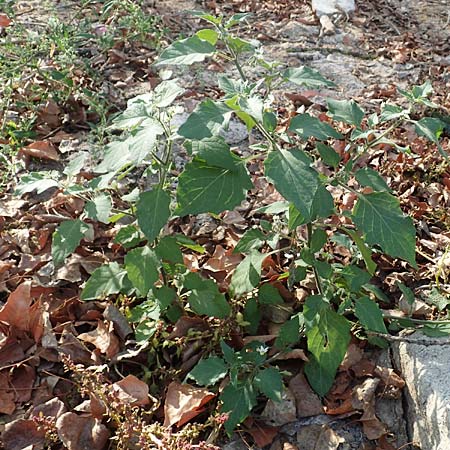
(41, 150)
(16, 311)
(262, 434)
(103, 338)
(133, 390)
(183, 403)
(81, 433)
(283, 412)
(306, 400)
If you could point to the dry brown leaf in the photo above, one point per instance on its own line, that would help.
(103, 338)
(16, 311)
(81, 433)
(41, 150)
(22, 381)
(262, 434)
(306, 400)
(184, 402)
(119, 321)
(135, 390)
(5, 21)
(222, 260)
(353, 356)
(318, 437)
(51, 408)
(7, 397)
(22, 434)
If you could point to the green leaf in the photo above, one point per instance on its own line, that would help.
(370, 315)
(328, 155)
(253, 106)
(307, 126)
(168, 250)
(152, 212)
(328, 335)
(432, 129)
(216, 180)
(270, 382)
(237, 401)
(379, 217)
(165, 93)
(407, 293)
(208, 35)
(141, 265)
(347, 111)
(269, 121)
(295, 179)
(106, 280)
(76, 164)
(247, 274)
(252, 315)
(290, 332)
(365, 251)
(186, 51)
(369, 177)
(307, 77)
(355, 277)
(437, 299)
(143, 142)
(128, 236)
(66, 239)
(99, 208)
(392, 112)
(206, 120)
(318, 240)
(117, 155)
(35, 181)
(251, 239)
(209, 371)
(205, 297)
(269, 295)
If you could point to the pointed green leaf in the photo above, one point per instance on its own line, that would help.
(269, 295)
(328, 155)
(347, 111)
(141, 265)
(365, 251)
(152, 211)
(379, 217)
(206, 120)
(165, 93)
(370, 315)
(328, 335)
(369, 177)
(247, 274)
(209, 371)
(209, 35)
(186, 51)
(290, 332)
(307, 77)
(205, 297)
(66, 239)
(99, 208)
(270, 382)
(106, 280)
(251, 239)
(307, 126)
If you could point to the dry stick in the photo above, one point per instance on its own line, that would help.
(410, 340)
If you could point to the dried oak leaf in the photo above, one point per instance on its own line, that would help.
(16, 311)
(262, 434)
(183, 403)
(23, 434)
(7, 397)
(41, 150)
(81, 432)
(306, 400)
(103, 338)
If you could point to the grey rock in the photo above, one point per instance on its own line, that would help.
(425, 367)
(235, 133)
(323, 7)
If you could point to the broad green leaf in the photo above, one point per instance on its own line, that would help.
(209, 35)
(437, 299)
(186, 51)
(137, 113)
(307, 126)
(237, 18)
(379, 217)
(270, 121)
(206, 120)
(253, 106)
(128, 236)
(76, 164)
(205, 297)
(328, 155)
(141, 265)
(355, 277)
(269, 295)
(152, 211)
(216, 180)
(168, 250)
(432, 129)
(106, 280)
(247, 274)
(166, 92)
(290, 332)
(237, 401)
(392, 112)
(370, 315)
(209, 371)
(232, 87)
(143, 142)
(347, 111)
(407, 292)
(35, 181)
(251, 239)
(117, 155)
(252, 315)
(328, 335)
(270, 382)
(371, 178)
(66, 239)
(99, 208)
(318, 240)
(294, 178)
(307, 77)
(207, 17)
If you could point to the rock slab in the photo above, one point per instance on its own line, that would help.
(326, 7)
(425, 366)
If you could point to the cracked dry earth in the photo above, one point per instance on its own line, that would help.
(382, 45)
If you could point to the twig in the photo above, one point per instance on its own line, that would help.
(410, 340)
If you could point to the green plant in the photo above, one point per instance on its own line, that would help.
(302, 229)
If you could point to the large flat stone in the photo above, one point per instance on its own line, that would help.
(322, 7)
(425, 367)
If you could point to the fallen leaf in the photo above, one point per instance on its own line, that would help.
(306, 400)
(135, 389)
(22, 381)
(283, 412)
(41, 150)
(184, 402)
(81, 432)
(7, 397)
(318, 437)
(51, 408)
(22, 434)
(5, 21)
(262, 434)
(16, 311)
(103, 338)
(121, 326)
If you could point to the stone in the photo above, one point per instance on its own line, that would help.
(425, 366)
(326, 7)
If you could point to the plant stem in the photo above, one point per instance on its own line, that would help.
(316, 274)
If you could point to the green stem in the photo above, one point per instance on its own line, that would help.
(309, 227)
